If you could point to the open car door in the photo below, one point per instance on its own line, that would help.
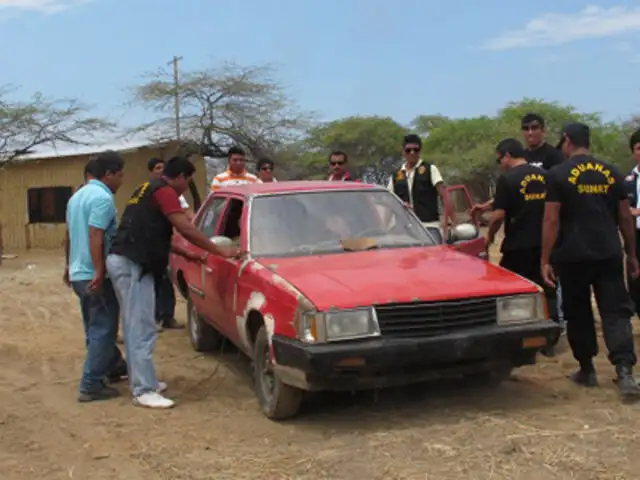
(462, 231)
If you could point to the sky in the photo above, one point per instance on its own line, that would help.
(398, 58)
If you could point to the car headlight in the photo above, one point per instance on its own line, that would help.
(338, 325)
(520, 309)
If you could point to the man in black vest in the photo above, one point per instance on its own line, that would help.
(419, 184)
(139, 254)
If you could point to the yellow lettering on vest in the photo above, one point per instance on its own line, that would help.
(138, 194)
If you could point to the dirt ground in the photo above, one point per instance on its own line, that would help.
(535, 426)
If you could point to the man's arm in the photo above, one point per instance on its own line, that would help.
(169, 204)
(438, 182)
(101, 214)
(550, 227)
(67, 247)
(500, 205)
(627, 228)
(96, 247)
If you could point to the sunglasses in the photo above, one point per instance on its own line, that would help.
(411, 150)
(531, 128)
(266, 169)
(333, 164)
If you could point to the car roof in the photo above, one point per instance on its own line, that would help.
(294, 186)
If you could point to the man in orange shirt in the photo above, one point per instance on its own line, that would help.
(236, 173)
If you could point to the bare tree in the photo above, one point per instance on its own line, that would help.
(25, 125)
(221, 106)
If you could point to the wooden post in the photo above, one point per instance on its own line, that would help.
(1, 245)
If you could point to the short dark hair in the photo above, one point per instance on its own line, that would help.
(89, 169)
(530, 118)
(106, 162)
(578, 133)
(634, 140)
(235, 151)
(264, 161)
(339, 153)
(512, 147)
(151, 164)
(412, 138)
(177, 166)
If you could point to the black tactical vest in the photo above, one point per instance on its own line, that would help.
(424, 194)
(144, 233)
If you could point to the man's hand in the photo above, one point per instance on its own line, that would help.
(548, 275)
(408, 205)
(230, 252)
(635, 212)
(65, 276)
(95, 285)
(633, 268)
(477, 208)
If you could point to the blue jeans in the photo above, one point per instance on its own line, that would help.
(100, 319)
(137, 302)
(561, 320)
(165, 299)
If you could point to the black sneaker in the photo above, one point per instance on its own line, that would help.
(585, 377)
(119, 374)
(627, 385)
(105, 393)
(172, 324)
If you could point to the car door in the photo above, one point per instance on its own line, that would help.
(457, 205)
(222, 273)
(207, 222)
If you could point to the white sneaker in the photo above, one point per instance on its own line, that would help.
(162, 387)
(153, 400)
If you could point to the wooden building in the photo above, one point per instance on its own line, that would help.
(35, 189)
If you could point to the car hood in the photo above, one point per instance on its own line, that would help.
(402, 275)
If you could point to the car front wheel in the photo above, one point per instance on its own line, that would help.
(203, 337)
(277, 400)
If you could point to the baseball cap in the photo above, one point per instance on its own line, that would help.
(574, 131)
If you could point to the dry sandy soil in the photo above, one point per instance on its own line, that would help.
(535, 426)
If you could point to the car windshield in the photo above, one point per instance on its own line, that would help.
(329, 222)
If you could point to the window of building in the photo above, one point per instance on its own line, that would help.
(48, 204)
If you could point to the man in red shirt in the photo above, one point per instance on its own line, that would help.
(140, 254)
(338, 161)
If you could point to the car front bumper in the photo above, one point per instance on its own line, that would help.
(383, 362)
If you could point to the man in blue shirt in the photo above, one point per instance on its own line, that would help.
(91, 223)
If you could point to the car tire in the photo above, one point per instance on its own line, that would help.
(203, 337)
(277, 399)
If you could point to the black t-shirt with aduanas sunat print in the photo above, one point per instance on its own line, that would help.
(521, 192)
(589, 192)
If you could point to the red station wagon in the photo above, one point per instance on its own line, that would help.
(342, 288)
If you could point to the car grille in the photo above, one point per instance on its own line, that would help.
(435, 318)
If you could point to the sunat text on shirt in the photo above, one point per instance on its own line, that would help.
(592, 187)
(536, 181)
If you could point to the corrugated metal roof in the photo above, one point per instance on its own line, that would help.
(118, 142)
(76, 150)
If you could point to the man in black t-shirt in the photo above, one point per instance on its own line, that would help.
(632, 182)
(586, 204)
(519, 204)
(538, 153)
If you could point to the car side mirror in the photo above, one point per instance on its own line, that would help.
(221, 241)
(464, 232)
